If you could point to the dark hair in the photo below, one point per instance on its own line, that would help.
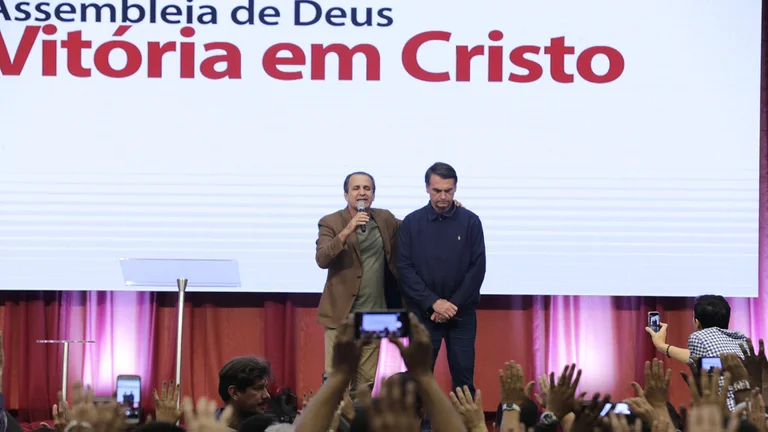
(158, 426)
(529, 414)
(712, 311)
(256, 423)
(242, 372)
(442, 170)
(349, 176)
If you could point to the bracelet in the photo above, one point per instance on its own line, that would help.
(668, 347)
(741, 386)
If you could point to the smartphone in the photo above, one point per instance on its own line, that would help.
(128, 396)
(620, 408)
(382, 324)
(654, 321)
(709, 364)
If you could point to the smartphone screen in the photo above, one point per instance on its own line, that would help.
(654, 321)
(382, 324)
(129, 390)
(622, 409)
(709, 364)
(606, 410)
(129, 396)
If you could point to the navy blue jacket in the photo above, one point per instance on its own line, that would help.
(441, 256)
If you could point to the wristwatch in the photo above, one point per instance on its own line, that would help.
(549, 419)
(510, 407)
(741, 386)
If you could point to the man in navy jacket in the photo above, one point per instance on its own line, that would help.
(441, 265)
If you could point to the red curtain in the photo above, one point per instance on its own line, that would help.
(538, 332)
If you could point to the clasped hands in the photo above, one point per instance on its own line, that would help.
(443, 311)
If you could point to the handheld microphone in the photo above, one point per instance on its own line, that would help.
(361, 209)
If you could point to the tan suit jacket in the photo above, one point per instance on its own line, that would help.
(345, 267)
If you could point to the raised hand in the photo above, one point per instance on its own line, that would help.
(656, 390)
(588, 417)
(733, 365)
(83, 409)
(417, 356)
(541, 398)
(513, 387)
(662, 425)
(471, 411)
(694, 368)
(60, 414)
(85, 414)
(394, 411)
(707, 392)
(166, 402)
(561, 397)
(705, 418)
(659, 338)
(346, 350)
(754, 363)
(619, 423)
(202, 418)
(641, 408)
(756, 411)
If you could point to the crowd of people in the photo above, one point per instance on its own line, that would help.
(728, 398)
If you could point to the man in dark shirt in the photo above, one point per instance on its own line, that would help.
(441, 265)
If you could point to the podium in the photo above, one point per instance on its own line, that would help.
(65, 363)
(205, 275)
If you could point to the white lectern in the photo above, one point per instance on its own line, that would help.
(197, 274)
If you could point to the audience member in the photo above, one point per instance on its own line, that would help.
(243, 386)
(711, 337)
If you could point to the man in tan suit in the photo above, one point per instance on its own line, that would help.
(361, 266)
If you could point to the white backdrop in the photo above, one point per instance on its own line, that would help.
(647, 185)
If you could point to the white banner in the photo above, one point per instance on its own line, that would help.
(609, 148)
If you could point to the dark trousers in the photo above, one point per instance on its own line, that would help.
(459, 334)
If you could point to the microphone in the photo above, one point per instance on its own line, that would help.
(361, 209)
